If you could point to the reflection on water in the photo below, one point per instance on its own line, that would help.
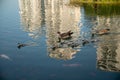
(101, 10)
(32, 16)
(107, 51)
(56, 19)
(58, 15)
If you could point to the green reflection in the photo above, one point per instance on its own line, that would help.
(107, 57)
(100, 9)
(94, 1)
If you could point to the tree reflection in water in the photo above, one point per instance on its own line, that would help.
(108, 47)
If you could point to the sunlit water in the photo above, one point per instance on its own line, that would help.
(35, 23)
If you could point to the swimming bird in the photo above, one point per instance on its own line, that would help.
(66, 35)
(84, 42)
(103, 31)
(21, 45)
(100, 32)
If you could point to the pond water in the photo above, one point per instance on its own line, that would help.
(30, 48)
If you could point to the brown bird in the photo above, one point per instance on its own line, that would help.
(66, 35)
(100, 32)
(103, 31)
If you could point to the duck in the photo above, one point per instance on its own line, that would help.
(103, 31)
(66, 35)
(20, 45)
(84, 42)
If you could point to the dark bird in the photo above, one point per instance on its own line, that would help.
(66, 35)
(84, 42)
(20, 45)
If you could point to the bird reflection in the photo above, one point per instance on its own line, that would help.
(67, 49)
(63, 53)
(64, 49)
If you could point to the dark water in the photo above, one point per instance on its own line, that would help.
(35, 23)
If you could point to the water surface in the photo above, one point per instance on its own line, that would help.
(36, 23)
